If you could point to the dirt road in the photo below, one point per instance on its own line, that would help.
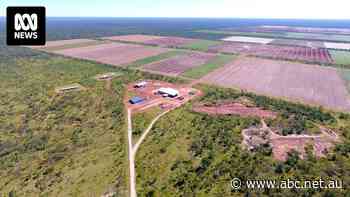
(131, 158)
(133, 149)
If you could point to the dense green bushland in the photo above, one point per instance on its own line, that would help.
(65, 145)
(62, 145)
(193, 154)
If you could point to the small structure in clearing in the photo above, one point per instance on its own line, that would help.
(141, 84)
(69, 88)
(168, 92)
(106, 76)
(136, 100)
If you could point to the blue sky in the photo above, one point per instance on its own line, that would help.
(311, 9)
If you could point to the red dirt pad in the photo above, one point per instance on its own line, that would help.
(234, 108)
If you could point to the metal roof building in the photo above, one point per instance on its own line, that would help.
(169, 91)
(136, 99)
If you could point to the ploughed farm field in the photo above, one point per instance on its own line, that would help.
(113, 53)
(245, 107)
(295, 81)
(179, 64)
(184, 57)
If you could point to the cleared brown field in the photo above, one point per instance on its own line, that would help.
(58, 43)
(179, 64)
(170, 41)
(311, 84)
(113, 53)
(134, 38)
(319, 55)
(164, 41)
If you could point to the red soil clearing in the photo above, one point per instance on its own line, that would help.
(301, 82)
(113, 53)
(234, 108)
(179, 64)
(273, 51)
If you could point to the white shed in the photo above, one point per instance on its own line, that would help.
(168, 91)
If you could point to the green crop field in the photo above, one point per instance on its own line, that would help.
(341, 57)
(202, 45)
(213, 64)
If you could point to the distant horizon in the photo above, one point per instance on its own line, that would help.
(246, 9)
(160, 17)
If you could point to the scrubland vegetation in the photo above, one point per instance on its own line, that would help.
(75, 144)
(65, 145)
(193, 154)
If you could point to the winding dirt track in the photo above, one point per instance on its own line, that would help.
(133, 149)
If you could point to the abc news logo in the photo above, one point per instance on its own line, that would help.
(26, 26)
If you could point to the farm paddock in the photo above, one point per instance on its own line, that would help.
(163, 41)
(341, 57)
(117, 54)
(171, 41)
(177, 65)
(300, 43)
(137, 38)
(310, 84)
(58, 43)
(274, 51)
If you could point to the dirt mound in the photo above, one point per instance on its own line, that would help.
(227, 108)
